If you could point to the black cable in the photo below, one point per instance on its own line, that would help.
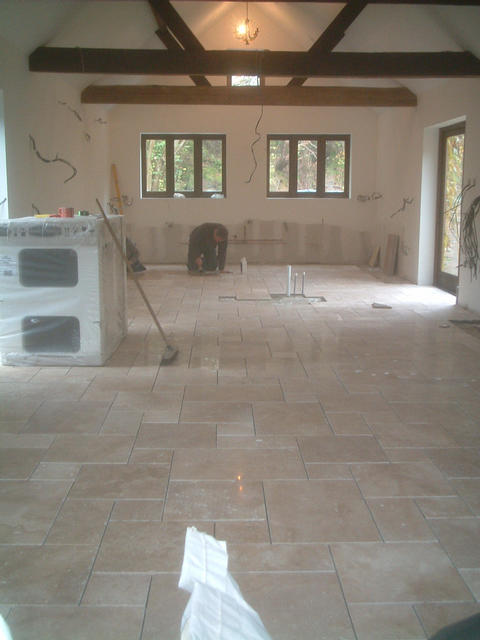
(252, 150)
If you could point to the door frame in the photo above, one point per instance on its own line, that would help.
(442, 280)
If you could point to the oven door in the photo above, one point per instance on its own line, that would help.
(49, 306)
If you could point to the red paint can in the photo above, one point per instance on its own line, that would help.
(65, 212)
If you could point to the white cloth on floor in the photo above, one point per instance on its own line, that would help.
(216, 609)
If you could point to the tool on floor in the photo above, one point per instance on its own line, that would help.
(170, 351)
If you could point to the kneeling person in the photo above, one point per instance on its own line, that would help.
(207, 247)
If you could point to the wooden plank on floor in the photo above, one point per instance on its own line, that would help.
(391, 251)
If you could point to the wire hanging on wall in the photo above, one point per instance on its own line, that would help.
(252, 150)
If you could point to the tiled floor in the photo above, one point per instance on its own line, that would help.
(333, 445)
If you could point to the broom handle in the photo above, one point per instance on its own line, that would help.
(117, 189)
(132, 273)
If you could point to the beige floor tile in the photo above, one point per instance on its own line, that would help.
(44, 575)
(298, 605)
(81, 623)
(412, 435)
(399, 519)
(329, 471)
(56, 471)
(28, 509)
(68, 417)
(397, 572)
(144, 547)
(80, 522)
(249, 557)
(457, 463)
(242, 531)
(122, 422)
(233, 393)
(348, 424)
(25, 441)
(120, 481)
(19, 464)
(166, 604)
(235, 429)
(449, 507)
(407, 454)
(89, 448)
(386, 622)
(161, 407)
(137, 510)
(284, 418)
(151, 456)
(220, 500)
(382, 403)
(172, 436)
(340, 449)
(104, 589)
(472, 579)
(437, 616)
(317, 511)
(469, 490)
(401, 479)
(256, 442)
(216, 412)
(236, 464)
(459, 537)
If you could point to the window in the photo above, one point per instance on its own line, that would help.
(192, 165)
(308, 166)
(245, 81)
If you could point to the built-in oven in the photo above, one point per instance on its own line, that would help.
(62, 290)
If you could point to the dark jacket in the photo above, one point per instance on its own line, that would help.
(202, 242)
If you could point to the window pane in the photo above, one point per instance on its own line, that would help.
(183, 165)
(245, 81)
(307, 166)
(155, 165)
(453, 179)
(212, 165)
(335, 166)
(279, 165)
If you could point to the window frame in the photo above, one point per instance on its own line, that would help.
(321, 140)
(170, 139)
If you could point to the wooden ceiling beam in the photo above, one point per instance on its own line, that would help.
(456, 3)
(176, 24)
(334, 32)
(171, 42)
(247, 96)
(268, 63)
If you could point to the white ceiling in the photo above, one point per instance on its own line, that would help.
(292, 26)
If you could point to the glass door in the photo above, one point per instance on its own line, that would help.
(451, 148)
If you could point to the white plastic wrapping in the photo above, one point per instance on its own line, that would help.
(216, 609)
(62, 291)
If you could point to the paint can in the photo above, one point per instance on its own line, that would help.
(65, 212)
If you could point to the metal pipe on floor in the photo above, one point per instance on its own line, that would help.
(289, 279)
(303, 283)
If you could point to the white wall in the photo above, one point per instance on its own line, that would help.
(32, 106)
(407, 167)
(244, 201)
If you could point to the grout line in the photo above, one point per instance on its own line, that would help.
(96, 554)
(342, 590)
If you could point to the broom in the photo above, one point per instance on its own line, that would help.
(170, 351)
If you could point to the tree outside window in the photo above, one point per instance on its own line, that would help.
(189, 164)
(308, 166)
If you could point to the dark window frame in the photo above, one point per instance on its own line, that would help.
(321, 140)
(170, 138)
